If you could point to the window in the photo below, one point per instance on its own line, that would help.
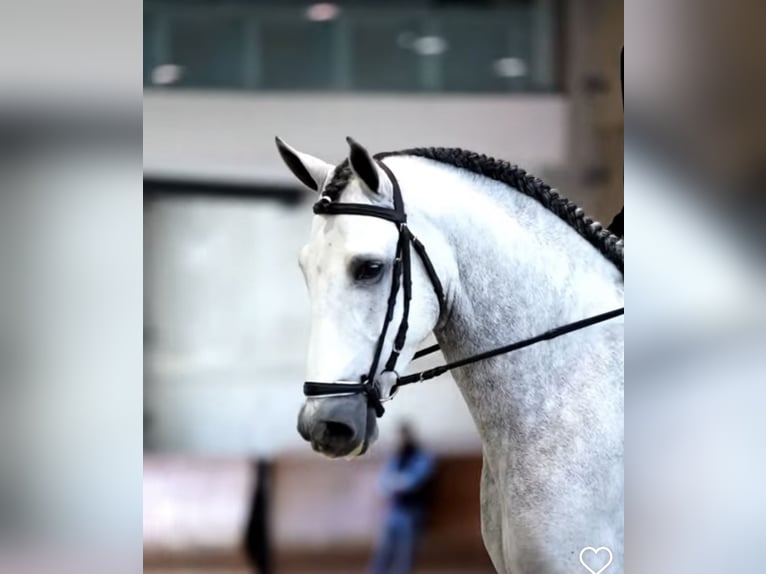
(490, 47)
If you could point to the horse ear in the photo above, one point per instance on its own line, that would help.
(311, 171)
(363, 165)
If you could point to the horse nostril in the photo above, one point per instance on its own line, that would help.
(339, 431)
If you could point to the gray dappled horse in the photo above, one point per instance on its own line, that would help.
(514, 259)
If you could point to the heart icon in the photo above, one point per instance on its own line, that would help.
(595, 552)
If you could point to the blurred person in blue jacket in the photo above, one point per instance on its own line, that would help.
(405, 481)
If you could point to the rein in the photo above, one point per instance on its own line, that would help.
(401, 277)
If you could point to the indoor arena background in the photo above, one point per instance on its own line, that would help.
(226, 475)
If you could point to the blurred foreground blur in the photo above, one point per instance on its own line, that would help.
(695, 155)
(70, 289)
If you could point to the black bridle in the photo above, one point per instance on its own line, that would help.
(401, 277)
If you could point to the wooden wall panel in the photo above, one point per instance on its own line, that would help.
(323, 514)
(331, 512)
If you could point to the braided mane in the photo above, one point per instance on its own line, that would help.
(608, 244)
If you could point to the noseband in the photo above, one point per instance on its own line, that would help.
(401, 277)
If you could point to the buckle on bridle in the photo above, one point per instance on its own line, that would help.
(387, 381)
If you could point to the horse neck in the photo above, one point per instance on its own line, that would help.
(511, 270)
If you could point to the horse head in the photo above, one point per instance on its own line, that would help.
(349, 265)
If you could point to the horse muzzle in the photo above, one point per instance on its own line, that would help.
(338, 426)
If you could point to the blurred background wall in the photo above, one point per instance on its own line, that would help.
(226, 314)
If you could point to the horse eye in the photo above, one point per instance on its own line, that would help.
(367, 270)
